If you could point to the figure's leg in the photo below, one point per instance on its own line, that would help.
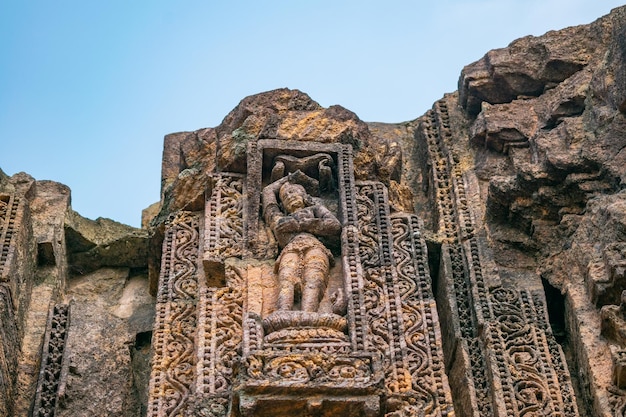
(288, 276)
(315, 278)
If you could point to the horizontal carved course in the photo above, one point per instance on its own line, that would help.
(47, 394)
(311, 370)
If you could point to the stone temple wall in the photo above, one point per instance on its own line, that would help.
(302, 262)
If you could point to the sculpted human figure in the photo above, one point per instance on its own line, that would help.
(304, 262)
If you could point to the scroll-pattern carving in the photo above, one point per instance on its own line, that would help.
(318, 368)
(224, 229)
(525, 358)
(382, 300)
(46, 396)
(175, 327)
(525, 376)
(220, 334)
(421, 334)
(551, 354)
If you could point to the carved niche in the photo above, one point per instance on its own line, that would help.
(296, 292)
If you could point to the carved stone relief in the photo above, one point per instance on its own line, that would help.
(224, 230)
(302, 285)
(53, 363)
(14, 292)
(8, 349)
(516, 349)
(176, 319)
(8, 213)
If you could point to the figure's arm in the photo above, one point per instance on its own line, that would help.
(271, 211)
(278, 221)
(323, 224)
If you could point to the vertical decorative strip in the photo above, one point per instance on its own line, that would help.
(350, 249)
(14, 294)
(224, 221)
(400, 309)
(8, 217)
(421, 323)
(9, 348)
(219, 342)
(52, 361)
(383, 306)
(434, 128)
(516, 352)
(175, 326)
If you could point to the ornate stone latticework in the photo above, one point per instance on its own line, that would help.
(15, 249)
(8, 216)
(224, 224)
(53, 363)
(517, 350)
(422, 333)
(174, 337)
(401, 312)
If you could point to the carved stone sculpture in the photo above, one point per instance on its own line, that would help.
(303, 264)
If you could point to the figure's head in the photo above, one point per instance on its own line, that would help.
(293, 196)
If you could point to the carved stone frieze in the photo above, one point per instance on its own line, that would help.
(219, 335)
(176, 320)
(517, 348)
(312, 371)
(533, 375)
(422, 334)
(8, 217)
(401, 313)
(224, 224)
(51, 375)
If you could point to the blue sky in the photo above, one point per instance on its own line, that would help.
(88, 89)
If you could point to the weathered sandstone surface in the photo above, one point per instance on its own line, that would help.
(518, 179)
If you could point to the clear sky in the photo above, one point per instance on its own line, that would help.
(88, 88)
